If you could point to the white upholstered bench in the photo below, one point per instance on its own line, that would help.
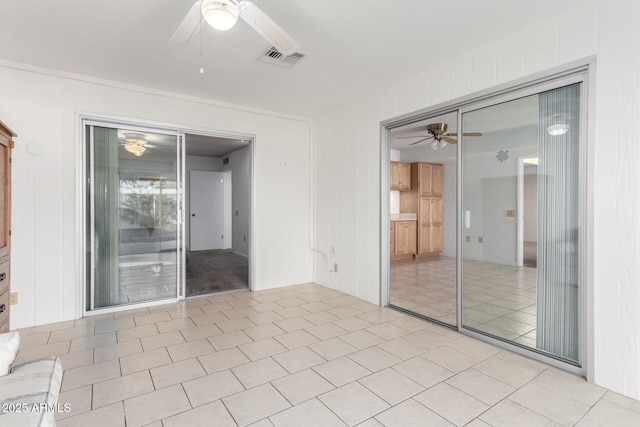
(29, 393)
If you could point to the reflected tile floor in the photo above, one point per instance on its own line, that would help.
(303, 355)
(498, 299)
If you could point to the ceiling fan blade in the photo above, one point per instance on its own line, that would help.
(414, 136)
(423, 139)
(450, 140)
(188, 26)
(268, 29)
(465, 134)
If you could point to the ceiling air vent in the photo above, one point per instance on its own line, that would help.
(273, 56)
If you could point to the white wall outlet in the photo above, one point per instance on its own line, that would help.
(13, 298)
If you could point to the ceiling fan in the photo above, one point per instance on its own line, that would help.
(135, 143)
(438, 132)
(223, 15)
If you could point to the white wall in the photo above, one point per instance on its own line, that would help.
(489, 190)
(240, 167)
(347, 166)
(228, 217)
(41, 105)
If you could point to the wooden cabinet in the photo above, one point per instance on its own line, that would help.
(430, 225)
(400, 176)
(429, 179)
(6, 144)
(425, 200)
(391, 234)
(404, 239)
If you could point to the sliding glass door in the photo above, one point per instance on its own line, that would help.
(132, 216)
(521, 226)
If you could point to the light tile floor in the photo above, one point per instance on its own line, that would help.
(303, 356)
(498, 299)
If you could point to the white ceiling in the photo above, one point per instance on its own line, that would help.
(355, 47)
(208, 146)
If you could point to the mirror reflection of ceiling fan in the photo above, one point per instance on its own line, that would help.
(223, 15)
(438, 132)
(135, 143)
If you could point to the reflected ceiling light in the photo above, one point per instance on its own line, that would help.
(135, 149)
(438, 143)
(558, 129)
(135, 143)
(220, 14)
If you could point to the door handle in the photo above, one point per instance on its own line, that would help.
(3, 276)
(2, 308)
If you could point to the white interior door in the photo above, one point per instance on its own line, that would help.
(206, 191)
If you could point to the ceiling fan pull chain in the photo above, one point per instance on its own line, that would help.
(200, 30)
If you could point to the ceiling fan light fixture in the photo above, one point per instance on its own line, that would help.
(434, 144)
(220, 14)
(135, 149)
(558, 129)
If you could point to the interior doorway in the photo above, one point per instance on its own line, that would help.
(527, 212)
(217, 214)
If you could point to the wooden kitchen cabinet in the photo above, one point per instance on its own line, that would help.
(391, 233)
(425, 200)
(429, 178)
(6, 144)
(400, 176)
(405, 234)
(430, 226)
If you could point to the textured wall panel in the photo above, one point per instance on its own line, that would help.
(41, 108)
(612, 33)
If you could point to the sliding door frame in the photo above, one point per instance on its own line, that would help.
(582, 70)
(84, 119)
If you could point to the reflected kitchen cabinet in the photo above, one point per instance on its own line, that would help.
(429, 178)
(400, 176)
(404, 239)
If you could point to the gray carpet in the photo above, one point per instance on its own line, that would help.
(210, 272)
